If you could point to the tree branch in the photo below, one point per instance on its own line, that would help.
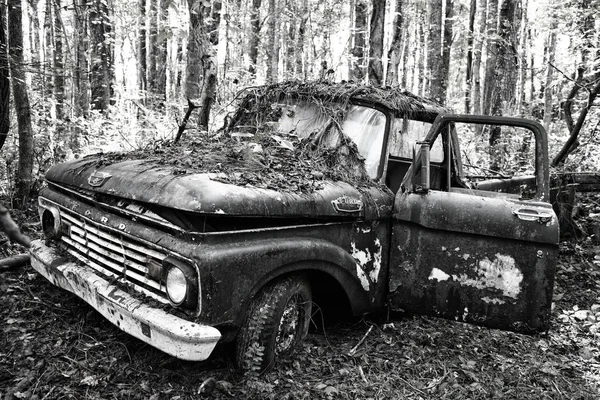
(11, 228)
(567, 147)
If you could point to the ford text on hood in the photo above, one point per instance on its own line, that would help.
(344, 195)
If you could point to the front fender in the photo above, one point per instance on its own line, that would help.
(232, 274)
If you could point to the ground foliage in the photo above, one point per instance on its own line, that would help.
(54, 346)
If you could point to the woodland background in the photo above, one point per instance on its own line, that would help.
(81, 76)
(91, 75)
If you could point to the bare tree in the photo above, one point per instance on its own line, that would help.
(398, 40)
(201, 66)
(434, 51)
(4, 82)
(273, 43)
(359, 34)
(24, 177)
(102, 66)
(254, 38)
(376, 43)
(470, 35)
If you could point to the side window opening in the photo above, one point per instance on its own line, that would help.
(404, 135)
(498, 159)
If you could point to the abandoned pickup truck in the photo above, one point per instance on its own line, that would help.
(313, 193)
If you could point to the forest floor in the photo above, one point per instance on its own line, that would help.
(54, 346)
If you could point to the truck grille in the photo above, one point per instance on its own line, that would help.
(112, 254)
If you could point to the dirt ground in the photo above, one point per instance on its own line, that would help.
(54, 346)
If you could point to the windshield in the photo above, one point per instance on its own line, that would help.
(364, 125)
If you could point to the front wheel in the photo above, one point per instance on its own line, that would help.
(276, 323)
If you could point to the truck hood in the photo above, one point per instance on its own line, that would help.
(149, 182)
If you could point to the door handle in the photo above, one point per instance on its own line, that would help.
(527, 214)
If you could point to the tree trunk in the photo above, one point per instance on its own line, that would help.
(470, 35)
(152, 46)
(446, 46)
(101, 35)
(273, 43)
(201, 66)
(290, 43)
(254, 38)
(492, 53)
(59, 66)
(503, 86)
(395, 51)
(161, 63)
(360, 40)
(551, 45)
(47, 65)
(376, 43)
(477, 52)
(4, 81)
(194, 52)
(406, 39)
(24, 177)
(300, 70)
(141, 46)
(434, 51)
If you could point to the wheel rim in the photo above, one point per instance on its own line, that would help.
(289, 325)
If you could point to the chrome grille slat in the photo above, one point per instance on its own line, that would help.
(111, 254)
(112, 238)
(81, 235)
(97, 252)
(106, 272)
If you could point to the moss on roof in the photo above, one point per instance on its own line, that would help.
(393, 98)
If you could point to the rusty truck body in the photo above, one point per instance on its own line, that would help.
(184, 259)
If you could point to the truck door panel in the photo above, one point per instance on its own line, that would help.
(480, 256)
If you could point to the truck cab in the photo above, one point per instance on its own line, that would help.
(325, 192)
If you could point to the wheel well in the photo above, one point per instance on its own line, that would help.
(329, 297)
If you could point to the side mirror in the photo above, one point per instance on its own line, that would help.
(421, 167)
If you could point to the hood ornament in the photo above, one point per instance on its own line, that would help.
(97, 178)
(347, 204)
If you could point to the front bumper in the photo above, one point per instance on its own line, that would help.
(166, 332)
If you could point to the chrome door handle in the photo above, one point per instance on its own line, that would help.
(527, 214)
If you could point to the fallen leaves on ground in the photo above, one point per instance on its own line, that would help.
(54, 346)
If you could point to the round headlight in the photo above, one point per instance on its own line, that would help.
(176, 285)
(182, 283)
(51, 222)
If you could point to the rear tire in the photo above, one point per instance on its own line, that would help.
(276, 323)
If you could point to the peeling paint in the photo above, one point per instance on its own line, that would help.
(438, 275)
(491, 300)
(219, 211)
(364, 281)
(361, 257)
(466, 256)
(374, 274)
(501, 273)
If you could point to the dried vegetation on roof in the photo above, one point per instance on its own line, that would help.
(259, 155)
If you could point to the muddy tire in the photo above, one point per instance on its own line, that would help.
(276, 323)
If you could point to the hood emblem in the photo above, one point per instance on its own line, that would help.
(347, 204)
(98, 178)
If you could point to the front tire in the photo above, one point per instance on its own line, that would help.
(276, 323)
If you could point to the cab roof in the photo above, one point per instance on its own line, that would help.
(393, 98)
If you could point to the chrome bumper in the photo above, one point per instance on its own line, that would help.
(173, 335)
